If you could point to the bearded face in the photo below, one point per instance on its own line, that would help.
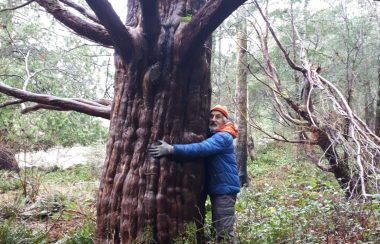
(216, 120)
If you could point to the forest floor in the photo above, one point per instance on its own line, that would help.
(289, 200)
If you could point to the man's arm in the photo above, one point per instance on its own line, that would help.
(213, 145)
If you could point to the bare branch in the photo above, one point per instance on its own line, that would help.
(277, 90)
(202, 24)
(64, 103)
(17, 7)
(12, 102)
(41, 106)
(150, 21)
(286, 53)
(279, 138)
(81, 10)
(317, 162)
(37, 107)
(88, 30)
(99, 102)
(122, 39)
(8, 76)
(368, 130)
(357, 171)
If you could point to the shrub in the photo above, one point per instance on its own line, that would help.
(288, 204)
(9, 181)
(10, 232)
(84, 235)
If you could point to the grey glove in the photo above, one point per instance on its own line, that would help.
(161, 149)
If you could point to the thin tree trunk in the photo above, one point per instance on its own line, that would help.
(251, 141)
(369, 113)
(377, 118)
(241, 98)
(251, 147)
(296, 74)
(217, 66)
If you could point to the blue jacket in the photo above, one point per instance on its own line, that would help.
(221, 167)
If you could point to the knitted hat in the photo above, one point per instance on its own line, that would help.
(222, 109)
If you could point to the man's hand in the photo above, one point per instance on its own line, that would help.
(160, 150)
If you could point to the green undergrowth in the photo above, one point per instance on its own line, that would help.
(9, 181)
(13, 232)
(75, 174)
(84, 235)
(290, 200)
(49, 205)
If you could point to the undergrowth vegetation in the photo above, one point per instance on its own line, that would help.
(289, 200)
(9, 181)
(61, 210)
(292, 201)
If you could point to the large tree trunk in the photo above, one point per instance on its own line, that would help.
(138, 191)
(157, 97)
(162, 91)
(241, 100)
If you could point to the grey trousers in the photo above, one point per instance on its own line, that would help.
(223, 216)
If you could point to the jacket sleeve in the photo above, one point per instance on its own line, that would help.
(213, 145)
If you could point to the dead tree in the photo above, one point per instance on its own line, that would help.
(349, 146)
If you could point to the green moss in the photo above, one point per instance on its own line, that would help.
(186, 19)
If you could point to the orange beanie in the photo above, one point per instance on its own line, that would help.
(222, 109)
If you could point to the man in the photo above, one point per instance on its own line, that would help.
(222, 179)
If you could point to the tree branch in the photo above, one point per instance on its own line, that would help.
(150, 21)
(81, 10)
(17, 7)
(12, 102)
(317, 162)
(63, 103)
(91, 31)
(98, 102)
(41, 106)
(202, 24)
(122, 39)
(286, 53)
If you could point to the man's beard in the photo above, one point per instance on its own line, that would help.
(213, 127)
